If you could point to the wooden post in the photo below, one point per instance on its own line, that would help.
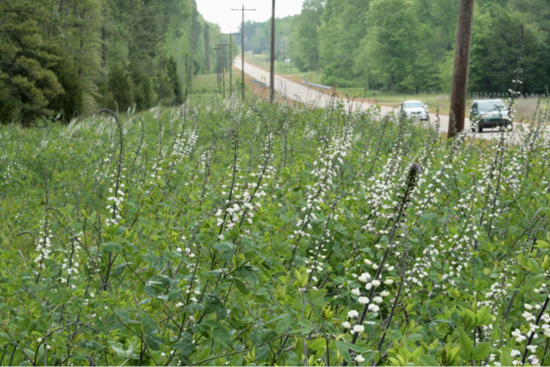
(461, 65)
(242, 46)
(272, 66)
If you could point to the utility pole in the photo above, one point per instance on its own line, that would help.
(221, 47)
(242, 46)
(217, 49)
(461, 66)
(231, 61)
(272, 66)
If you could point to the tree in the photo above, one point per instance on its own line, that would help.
(389, 54)
(495, 49)
(343, 27)
(305, 37)
(26, 63)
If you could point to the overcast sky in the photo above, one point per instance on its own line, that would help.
(219, 11)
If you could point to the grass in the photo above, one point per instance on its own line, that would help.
(286, 69)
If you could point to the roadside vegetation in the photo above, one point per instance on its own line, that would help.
(228, 234)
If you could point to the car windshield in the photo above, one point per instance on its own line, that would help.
(412, 105)
(491, 105)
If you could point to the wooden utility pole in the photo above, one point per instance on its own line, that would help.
(221, 47)
(242, 46)
(218, 49)
(272, 66)
(461, 65)
(230, 44)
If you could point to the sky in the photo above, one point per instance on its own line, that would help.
(219, 11)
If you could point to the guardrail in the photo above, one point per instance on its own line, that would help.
(259, 82)
(316, 85)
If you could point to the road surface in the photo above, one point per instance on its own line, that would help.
(302, 93)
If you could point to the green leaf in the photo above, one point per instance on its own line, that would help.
(154, 342)
(222, 335)
(426, 360)
(467, 345)
(481, 351)
(355, 347)
(307, 326)
(522, 261)
(483, 316)
(535, 281)
(224, 246)
(343, 349)
(4, 338)
(318, 297)
(533, 265)
(186, 348)
(415, 337)
(505, 357)
(241, 286)
(111, 246)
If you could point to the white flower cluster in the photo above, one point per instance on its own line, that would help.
(315, 261)
(156, 170)
(309, 132)
(436, 184)
(372, 286)
(183, 146)
(44, 248)
(115, 202)
(70, 264)
(188, 249)
(325, 170)
(243, 202)
(536, 330)
(496, 294)
(380, 193)
(204, 161)
(422, 264)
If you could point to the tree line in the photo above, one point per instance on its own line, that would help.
(408, 45)
(66, 57)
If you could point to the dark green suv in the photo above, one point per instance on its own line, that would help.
(489, 113)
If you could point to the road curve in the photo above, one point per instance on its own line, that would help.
(302, 93)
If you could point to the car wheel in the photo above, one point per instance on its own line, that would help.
(479, 128)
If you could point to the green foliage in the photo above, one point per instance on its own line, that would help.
(63, 57)
(26, 63)
(496, 48)
(225, 233)
(408, 45)
(305, 47)
(390, 51)
(120, 90)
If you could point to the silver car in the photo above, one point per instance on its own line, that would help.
(415, 110)
(489, 113)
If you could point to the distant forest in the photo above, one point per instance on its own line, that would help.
(65, 57)
(408, 45)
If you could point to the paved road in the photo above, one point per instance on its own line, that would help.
(315, 98)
